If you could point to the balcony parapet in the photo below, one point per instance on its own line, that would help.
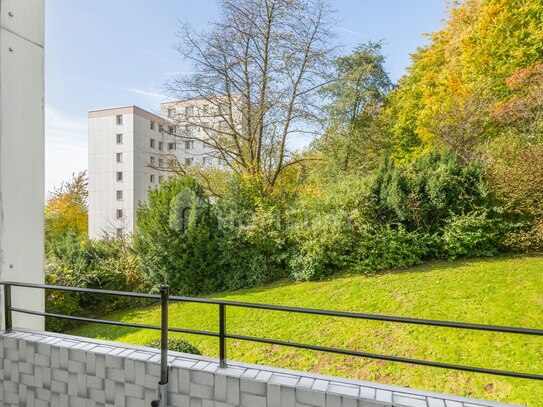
(47, 369)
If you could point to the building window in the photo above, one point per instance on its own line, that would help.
(189, 145)
(171, 146)
(160, 128)
(160, 179)
(119, 139)
(152, 178)
(119, 175)
(153, 161)
(161, 145)
(119, 195)
(119, 213)
(188, 161)
(189, 111)
(152, 143)
(171, 129)
(171, 113)
(152, 125)
(172, 162)
(205, 108)
(206, 160)
(119, 232)
(119, 119)
(161, 162)
(119, 157)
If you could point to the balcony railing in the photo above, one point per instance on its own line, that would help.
(224, 335)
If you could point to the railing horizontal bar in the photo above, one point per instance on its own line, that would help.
(82, 290)
(84, 319)
(388, 358)
(373, 317)
(311, 311)
(109, 322)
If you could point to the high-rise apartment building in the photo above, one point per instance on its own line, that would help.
(132, 150)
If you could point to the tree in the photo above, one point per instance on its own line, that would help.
(259, 68)
(449, 93)
(354, 136)
(523, 110)
(66, 210)
(175, 238)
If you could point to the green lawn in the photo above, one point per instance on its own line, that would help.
(501, 291)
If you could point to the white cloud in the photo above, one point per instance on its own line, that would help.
(153, 95)
(65, 147)
(353, 32)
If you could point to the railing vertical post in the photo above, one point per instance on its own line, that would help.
(7, 308)
(222, 335)
(163, 385)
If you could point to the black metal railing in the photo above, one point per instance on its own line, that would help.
(223, 334)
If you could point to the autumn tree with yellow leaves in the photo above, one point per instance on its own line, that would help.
(66, 209)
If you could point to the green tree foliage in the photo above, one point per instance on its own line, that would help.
(176, 238)
(437, 208)
(78, 262)
(354, 138)
(252, 236)
(235, 243)
(425, 195)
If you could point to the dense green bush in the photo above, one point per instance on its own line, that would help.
(323, 227)
(386, 247)
(176, 239)
(106, 264)
(176, 345)
(400, 216)
(475, 234)
(424, 195)
(235, 243)
(252, 233)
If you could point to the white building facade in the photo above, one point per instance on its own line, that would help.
(132, 150)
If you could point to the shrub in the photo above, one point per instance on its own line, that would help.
(423, 196)
(516, 173)
(385, 247)
(475, 234)
(176, 345)
(252, 238)
(75, 261)
(437, 208)
(320, 244)
(177, 238)
(323, 226)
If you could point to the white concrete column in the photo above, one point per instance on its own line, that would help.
(22, 153)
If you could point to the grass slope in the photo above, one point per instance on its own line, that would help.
(501, 291)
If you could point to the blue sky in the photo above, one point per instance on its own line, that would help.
(103, 53)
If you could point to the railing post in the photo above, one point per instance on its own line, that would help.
(222, 335)
(163, 384)
(7, 308)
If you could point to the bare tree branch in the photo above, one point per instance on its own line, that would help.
(260, 68)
